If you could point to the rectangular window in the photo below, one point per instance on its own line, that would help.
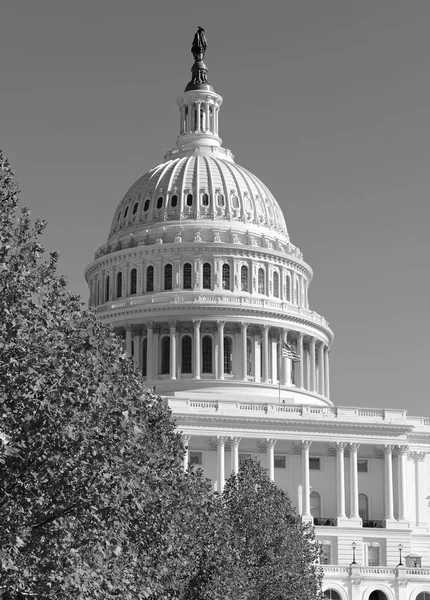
(280, 462)
(325, 557)
(196, 458)
(314, 464)
(372, 556)
(362, 465)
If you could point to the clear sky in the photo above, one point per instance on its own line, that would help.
(326, 101)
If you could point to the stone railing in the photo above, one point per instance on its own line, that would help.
(374, 523)
(325, 521)
(378, 572)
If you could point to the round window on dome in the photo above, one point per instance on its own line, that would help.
(174, 201)
(125, 212)
(136, 204)
(146, 205)
(189, 199)
(235, 201)
(160, 202)
(220, 200)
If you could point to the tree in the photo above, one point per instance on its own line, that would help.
(94, 502)
(278, 552)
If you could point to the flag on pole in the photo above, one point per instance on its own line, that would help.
(288, 352)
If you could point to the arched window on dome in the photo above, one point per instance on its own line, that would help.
(189, 200)
(133, 281)
(107, 286)
(226, 277)
(228, 355)
(248, 357)
(144, 356)
(165, 355)
(150, 279)
(244, 279)
(288, 288)
(332, 595)
(261, 286)
(276, 284)
(235, 201)
(146, 205)
(186, 354)
(315, 501)
(207, 354)
(160, 202)
(119, 285)
(207, 276)
(363, 506)
(220, 200)
(174, 201)
(168, 277)
(205, 199)
(136, 204)
(188, 280)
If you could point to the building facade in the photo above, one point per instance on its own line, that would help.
(200, 277)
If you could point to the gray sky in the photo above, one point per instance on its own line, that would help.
(326, 101)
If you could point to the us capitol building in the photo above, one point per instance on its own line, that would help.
(200, 277)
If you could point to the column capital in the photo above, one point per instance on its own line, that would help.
(305, 444)
(221, 439)
(340, 446)
(243, 326)
(300, 335)
(128, 328)
(149, 325)
(270, 442)
(235, 441)
(388, 448)
(220, 324)
(173, 324)
(186, 437)
(156, 328)
(265, 327)
(197, 323)
(403, 449)
(353, 446)
(312, 341)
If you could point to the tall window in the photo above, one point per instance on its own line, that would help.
(276, 284)
(226, 277)
(325, 558)
(261, 281)
(133, 281)
(174, 201)
(107, 285)
(220, 200)
(235, 201)
(228, 355)
(248, 357)
(146, 205)
(144, 356)
(136, 204)
(315, 505)
(363, 506)
(288, 288)
(119, 285)
(244, 279)
(372, 555)
(165, 355)
(150, 279)
(168, 273)
(189, 200)
(160, 202)
(207, 354)
(186, 354)
(205, 200)
(207, 272)
(188, 283)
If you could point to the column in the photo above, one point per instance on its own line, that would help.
(299, 382)
(235, 441)
(196, 348)
(353, 475)
(220, 326)
(306, 501)
(340, 478)
(128, 339)
(155, 351)
(172, 325)
(420, 489)
(137, 339)
(321, 369)
(149, 350)
(207, 116)
(198, 125)
(257, 356)
(284, 375)
(402, 458)
(327, 372)
(243, 332)
(270, 448)
(388, 480)
(313, 386)
(274, 359)
(265, 349)
(221, 464)
(186, 440)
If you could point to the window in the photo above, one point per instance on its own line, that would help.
(107, 285)
(280, 461)
(207, 283)
(314, 464)
(276, 284)
(362, 465)
(136, 204)
(144, 356)
(189, 199)
(174, 201)
(119, 285)
(248, 357)
(205, 200)
(372, 555)
(125, 212)
(207, 354)
(315, 499)
(325, 559)
(150, 279)
(220, 200)
(414, 561)
(244, 279)
(165, 355)
(260, 281)
(363, 506)
(119, 216)
(160, 202)
(423, 595)
(146, 205)
(228, 355)
(235, 201)
(133, 281)
(188, 282)
(186, 354)
(226, 277)
(331, 594)
(288, 288)
(168, 277)
(196, 458)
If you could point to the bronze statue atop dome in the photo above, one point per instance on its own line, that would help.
(199, 80)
